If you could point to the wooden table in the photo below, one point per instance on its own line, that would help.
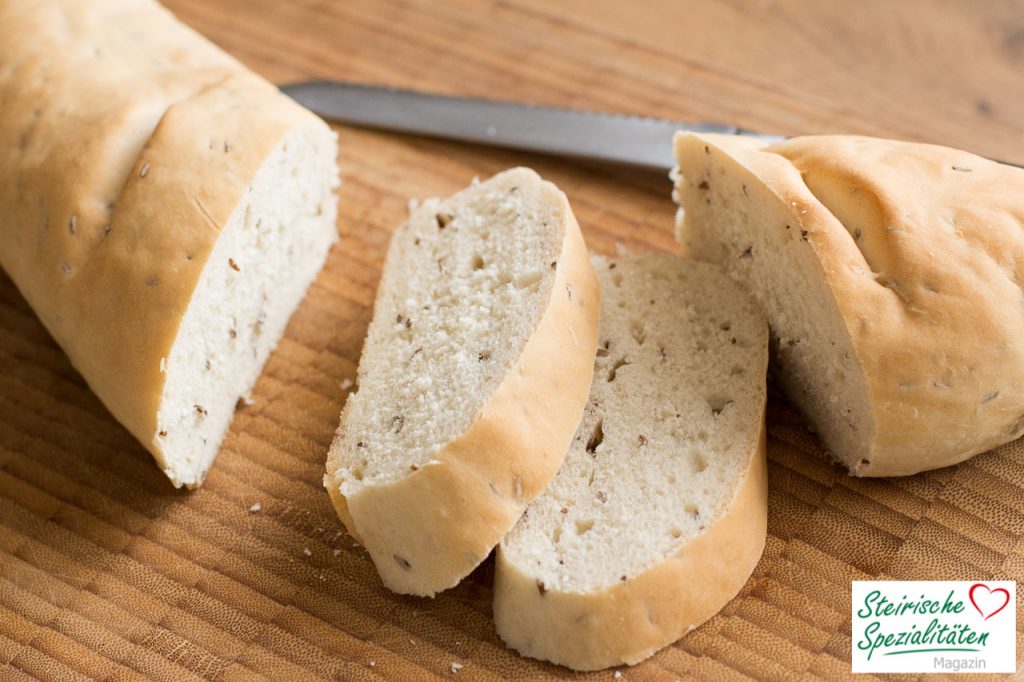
(107, 572)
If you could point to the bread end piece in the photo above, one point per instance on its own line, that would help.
(266, 257)
(886, 270)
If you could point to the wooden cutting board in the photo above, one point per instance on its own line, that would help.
(107, 572)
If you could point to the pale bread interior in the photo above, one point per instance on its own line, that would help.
(675, 412)
(257, 273)
(465, 284)
(729, 217)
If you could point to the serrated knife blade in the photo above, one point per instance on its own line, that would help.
(633, 140)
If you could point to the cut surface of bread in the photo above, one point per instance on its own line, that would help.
(472, 380)
(268, 253)
(163, 207)
(658, 514)
(891, 275)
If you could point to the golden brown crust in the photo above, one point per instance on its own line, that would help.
(429, 529)
(628, 621)
(107, 221)
(922, 248)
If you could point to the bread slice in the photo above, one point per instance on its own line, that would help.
(473, 377)
(658, 515)
(163, 210)
(891, 274)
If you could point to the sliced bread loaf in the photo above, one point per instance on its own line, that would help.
(473, 377)
(658, 515)
(162, 209)
(891, 274)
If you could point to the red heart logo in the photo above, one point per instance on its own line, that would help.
(989, 599)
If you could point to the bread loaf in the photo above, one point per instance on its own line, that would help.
(658, 514)
(472, 380)
(891, 275)
(162, 209)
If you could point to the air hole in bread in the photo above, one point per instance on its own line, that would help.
(478, 262)
(556, 534)
(618, 364)
(676, 533)
(718, 403)
(725, 326)
(528, 279)
(596, 437)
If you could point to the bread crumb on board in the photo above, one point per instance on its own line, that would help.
(305, 550)
(456, 666)
(255, 508)
(346, 384)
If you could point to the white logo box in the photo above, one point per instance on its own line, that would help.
(931, 626)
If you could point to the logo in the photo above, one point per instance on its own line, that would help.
(934, 626)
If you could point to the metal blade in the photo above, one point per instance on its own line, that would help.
(633, 140)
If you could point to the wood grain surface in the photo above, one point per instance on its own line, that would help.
(106, 572)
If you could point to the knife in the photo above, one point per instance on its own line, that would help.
(633, 140)
(641, 141)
